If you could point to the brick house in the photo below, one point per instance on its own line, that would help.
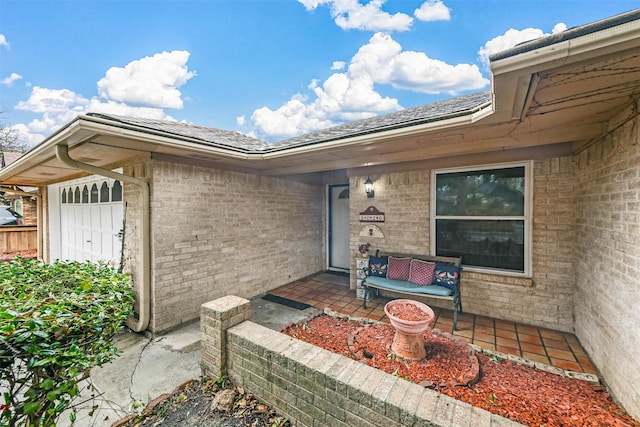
(207, 212)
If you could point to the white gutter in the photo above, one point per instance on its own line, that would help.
(140, 324)
(98, 125)
(39, 214)
(608, 36)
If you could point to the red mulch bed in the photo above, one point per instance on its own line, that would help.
(526, 395)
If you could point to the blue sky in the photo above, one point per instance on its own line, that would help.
(269, 68)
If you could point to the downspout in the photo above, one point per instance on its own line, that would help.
(140, 324)
(39, 214)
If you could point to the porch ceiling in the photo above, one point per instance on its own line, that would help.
(541, 107)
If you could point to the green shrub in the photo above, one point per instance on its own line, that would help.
(57, 321)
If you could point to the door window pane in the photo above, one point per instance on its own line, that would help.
(116, 192)
(94, 193)
(104, 193)
(85, 194)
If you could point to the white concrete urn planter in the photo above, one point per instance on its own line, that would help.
(407, 341)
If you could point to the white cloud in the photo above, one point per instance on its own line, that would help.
(351, 15)
(292, 118)
(37, 130)
(558, 28)
(43, 100)
(345, 97)
(142, 88)
(352, 95)
(8, 81)
(338, 65)
(241, 120)
(433, 10)
(3, 41)
(153, 81)
(313, 4)
(27, 136)
(511, 38)
(384, 60)
(112, 107)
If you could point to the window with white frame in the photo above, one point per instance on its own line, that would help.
(17, 206)
(483, 215)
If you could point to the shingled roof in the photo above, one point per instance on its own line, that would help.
(206, 135)
(436, 111)
(448, 108)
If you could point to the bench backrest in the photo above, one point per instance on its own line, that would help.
(457, 261)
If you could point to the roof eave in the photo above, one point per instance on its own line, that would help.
(572, 33)
(41, 151)
(433, 125)
(513, 72)
(582, 43)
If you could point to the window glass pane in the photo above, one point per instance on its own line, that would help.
(482, 243)
(116, 192)
(495, 192)
(85, 195)
(17, 206)
(104, 192)
(94, 193)
(77, 195)
(64, 196)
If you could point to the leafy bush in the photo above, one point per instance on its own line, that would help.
(57, 321)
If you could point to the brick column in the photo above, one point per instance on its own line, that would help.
(215, 318)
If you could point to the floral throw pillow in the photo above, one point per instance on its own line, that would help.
(421, 272)
(378, 266)
(399, 268)
(447, 275)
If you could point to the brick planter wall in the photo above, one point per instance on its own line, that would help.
(312, 386)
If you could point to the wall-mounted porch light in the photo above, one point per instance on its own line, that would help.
(368, 188)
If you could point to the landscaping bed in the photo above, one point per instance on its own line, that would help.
(530, 396)
(206, 403)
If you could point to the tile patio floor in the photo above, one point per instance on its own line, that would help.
(560, 349)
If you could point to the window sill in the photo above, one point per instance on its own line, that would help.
(497, 272)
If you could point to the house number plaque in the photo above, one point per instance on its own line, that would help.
(371, 214)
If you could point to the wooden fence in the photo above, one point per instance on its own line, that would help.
(18, 238)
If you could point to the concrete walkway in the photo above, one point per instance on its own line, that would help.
(149, 367)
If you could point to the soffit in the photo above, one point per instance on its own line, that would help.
(581, 99)
(52, 170)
